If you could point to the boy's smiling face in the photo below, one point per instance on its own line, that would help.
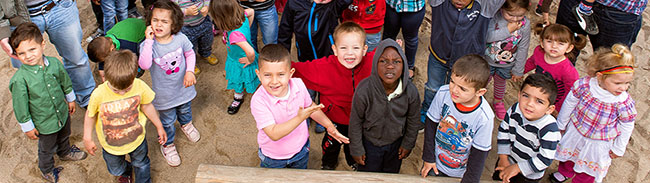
(30, 52)
(349, 49)
(275, 77)
(534, 103)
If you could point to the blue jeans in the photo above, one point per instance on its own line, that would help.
(201, 37)
(438, 74)
(372, 40)
(113, 8)
(62, 26)
(140, 163)
(503, 72)
(615, 26)
(299, 160)
(182, 113)
(409, 23)
(268, 22)
(382, 158)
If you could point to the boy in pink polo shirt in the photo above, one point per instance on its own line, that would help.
(280, 108)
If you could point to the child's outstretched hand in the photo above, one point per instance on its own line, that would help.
(304, 113)
(90, 147)
(191, 11)
(361, 160)
(72, 107)
(403, 153)
(204, 11)
(508, 172)
(337, 135)
(426, 167)
(189, 79)
(33, 134)
(162, 136)
(245, 61)
(148, 33)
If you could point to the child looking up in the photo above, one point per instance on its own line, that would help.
(528, 136)
(43, 100)
(280, 108)
(242, 58)
(507, 48)
(119, 109)
(384, 120)
(598, 117)
(336, 78)
(172, 76)
(553, 57)
(458, 130)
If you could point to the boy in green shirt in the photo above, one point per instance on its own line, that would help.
(43, 98)
(126, 34)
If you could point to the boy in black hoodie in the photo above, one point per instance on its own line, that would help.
(384, 121)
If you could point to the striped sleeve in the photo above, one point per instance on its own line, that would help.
(503, 135)
(549, 136)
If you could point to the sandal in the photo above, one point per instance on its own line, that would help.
(555, 177)
(234, 106)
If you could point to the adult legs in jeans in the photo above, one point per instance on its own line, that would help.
(614, 25)
(63, 27)
(332, 148)
(182, 113)
(566, 169)
(299, 160)
(99, 16)
(268, 22)
(201, 37)
(409, 23)
(48, 144)
(114, 9)
(382, 158)
(438, 74)
(118, 166)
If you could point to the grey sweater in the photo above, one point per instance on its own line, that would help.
(378, 120)
(501, 51)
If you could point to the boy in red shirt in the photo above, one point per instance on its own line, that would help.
(335, 77)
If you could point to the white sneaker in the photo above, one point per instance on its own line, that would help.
(191, 132)
(170, 154)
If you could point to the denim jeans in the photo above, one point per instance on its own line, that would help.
(438, 74)
(62, 26)
(382, 158)
(117, 164)
(99, 16)
(299, 160)
(409, 23)
(182, 113)
(57, 142)
(114, 9)
(372, 40)
(201, 37)
(615, 26)
(268, 22)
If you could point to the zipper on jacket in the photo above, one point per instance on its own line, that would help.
(311, 14)
(353, 88)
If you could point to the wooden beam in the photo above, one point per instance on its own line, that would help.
(221, 173)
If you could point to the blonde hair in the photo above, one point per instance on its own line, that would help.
(607, 60)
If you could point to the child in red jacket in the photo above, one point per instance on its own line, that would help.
(370, 15)
(335, 77)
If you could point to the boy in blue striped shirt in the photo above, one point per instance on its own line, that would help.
(528, 136)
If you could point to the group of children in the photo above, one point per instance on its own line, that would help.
(364, 94)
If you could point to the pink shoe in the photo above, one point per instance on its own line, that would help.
(190, 131)
(499, 110)
(171, 155)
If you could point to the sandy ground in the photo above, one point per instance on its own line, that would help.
(231, 139)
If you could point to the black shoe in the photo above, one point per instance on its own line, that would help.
(234, 106)
(140, 72)
(586, 21)
(538, 10)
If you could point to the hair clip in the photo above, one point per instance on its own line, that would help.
(575, 34)
(151, 8)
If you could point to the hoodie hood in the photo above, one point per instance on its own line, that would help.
(374, 75)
